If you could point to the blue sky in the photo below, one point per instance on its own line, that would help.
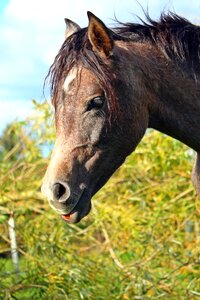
(33, 30)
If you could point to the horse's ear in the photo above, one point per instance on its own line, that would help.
(71, 27)
(99, 36)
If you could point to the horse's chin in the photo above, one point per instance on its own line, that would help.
(81, 210)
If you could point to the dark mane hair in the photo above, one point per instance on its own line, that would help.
(175, 36)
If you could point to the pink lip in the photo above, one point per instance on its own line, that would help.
(71, 218)
(66, 217)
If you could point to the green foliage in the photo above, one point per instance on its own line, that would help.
(9, 142)
(141, 240)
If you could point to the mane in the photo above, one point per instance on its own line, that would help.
(175, 36)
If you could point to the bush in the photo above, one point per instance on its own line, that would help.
(141, 240)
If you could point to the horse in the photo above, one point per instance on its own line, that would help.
(108, 85)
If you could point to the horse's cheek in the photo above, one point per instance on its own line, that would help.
(92, 129)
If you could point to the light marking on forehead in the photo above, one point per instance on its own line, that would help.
(68, 80)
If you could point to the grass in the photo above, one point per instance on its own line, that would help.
(141, 240)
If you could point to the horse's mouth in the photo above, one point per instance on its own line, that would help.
(83, 206)
(81, 209)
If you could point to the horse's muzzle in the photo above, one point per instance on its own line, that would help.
(71, 206)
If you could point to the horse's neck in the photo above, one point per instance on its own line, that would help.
(176, 108)
(174, 95)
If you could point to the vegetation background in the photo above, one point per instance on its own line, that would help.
(141, 240)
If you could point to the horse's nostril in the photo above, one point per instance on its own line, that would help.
(59, 190)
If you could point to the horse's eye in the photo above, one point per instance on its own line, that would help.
(96, 103)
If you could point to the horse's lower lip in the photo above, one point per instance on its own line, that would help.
(66, 217)
(81, 209)
(71, 217)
